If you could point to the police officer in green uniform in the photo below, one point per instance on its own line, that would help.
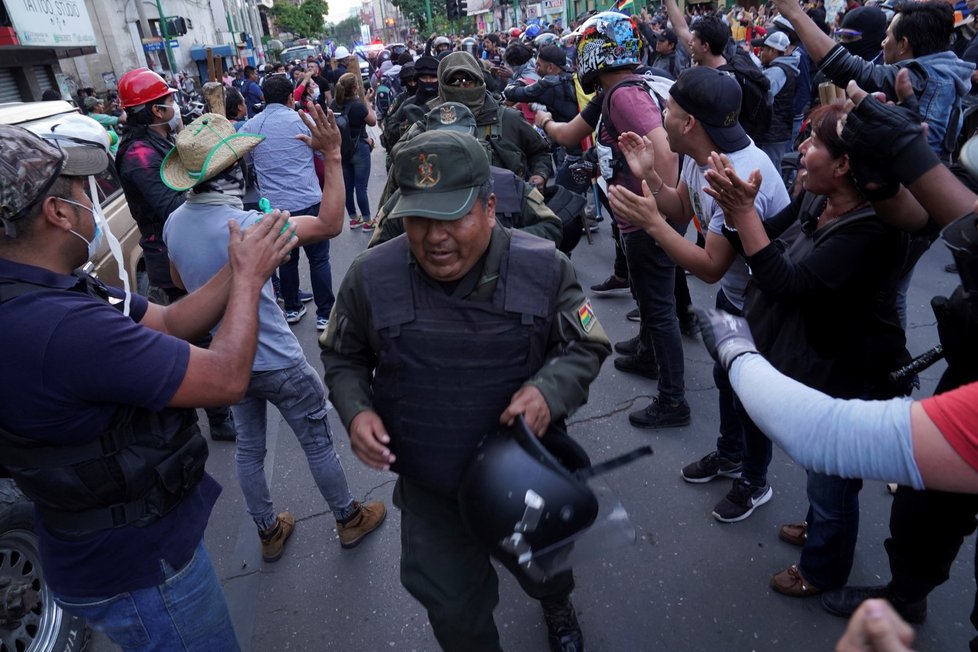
(518, 204)
(508, 138)
(437, 337)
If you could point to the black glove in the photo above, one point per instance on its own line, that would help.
(957, 325)
(726, 337)
(889, 138)
(585, 170)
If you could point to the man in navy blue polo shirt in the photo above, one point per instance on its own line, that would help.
(96, 419)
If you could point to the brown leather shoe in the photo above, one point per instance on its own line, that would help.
(368, 518)
(794, 533)
(790, 582)
(273, 539)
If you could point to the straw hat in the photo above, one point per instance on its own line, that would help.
(205, 148)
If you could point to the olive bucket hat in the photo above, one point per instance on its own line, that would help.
(205, 148)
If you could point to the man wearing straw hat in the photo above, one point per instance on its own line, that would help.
(205, 162)
(110, 454)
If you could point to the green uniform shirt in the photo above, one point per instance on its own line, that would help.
(576, 348)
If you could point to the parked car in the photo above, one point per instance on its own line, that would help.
(30, 620)
(298, 53)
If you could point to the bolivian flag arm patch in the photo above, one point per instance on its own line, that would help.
(586, 315)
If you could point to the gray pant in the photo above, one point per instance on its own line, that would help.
(300, 396)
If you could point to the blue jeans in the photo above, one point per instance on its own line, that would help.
(300, 397)
(833, 527)
(356, 174)
(775, 152)
(653, 279)
(320, 274)
(730, 443)
(186, 612)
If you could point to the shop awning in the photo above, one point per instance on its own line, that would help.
(199, 52)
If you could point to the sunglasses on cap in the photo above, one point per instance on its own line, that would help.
(846, 35)
(463, 80)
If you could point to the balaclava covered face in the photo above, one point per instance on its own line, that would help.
(872, 23)
(454, 63)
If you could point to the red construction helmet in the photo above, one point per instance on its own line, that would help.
(140, 86)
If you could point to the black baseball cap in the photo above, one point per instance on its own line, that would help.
(712, 97)
(553, 54)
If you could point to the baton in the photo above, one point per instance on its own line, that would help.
(918, 364)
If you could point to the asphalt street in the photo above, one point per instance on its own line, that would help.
(688, 582)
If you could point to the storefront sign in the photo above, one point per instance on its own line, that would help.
(553, 6)
(51, 23)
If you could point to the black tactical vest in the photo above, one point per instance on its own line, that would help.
(447, 368)
(135, 471)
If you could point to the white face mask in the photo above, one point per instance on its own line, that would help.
(96, 240)
(174, 122)
(314, 94)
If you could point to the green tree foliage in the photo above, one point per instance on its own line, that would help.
(415, 11)
(346, 31)
(306, 20)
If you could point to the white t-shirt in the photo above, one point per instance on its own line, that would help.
(771, 198)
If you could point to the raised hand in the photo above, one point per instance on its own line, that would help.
(325, 135)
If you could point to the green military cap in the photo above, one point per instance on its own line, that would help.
(439, 174)
(452, 116)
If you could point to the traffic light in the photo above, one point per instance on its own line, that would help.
(451, 9)
(176, 26)
(463, 8)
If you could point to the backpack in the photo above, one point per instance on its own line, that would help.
(343, 124)
(755, 109)
(387, 89)
(658, 89)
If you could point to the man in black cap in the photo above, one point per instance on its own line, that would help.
(528, 344)
(412, 108)
(700, 118)
(669, 55)
(556, 91)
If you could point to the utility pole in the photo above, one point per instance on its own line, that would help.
(166, 38)
(516, 13)
(427, 9)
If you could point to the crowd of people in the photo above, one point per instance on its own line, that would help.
(809, 213)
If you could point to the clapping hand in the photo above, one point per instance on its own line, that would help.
(735, 196)
(638, 153)
(638, 210)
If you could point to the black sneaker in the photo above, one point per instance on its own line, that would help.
(563, 631)
(843, 602)
(634, 315)
(639, 365)
(741, 501)
(689, 325)
(628, 347)
(709, 467)
(224, 430)
(611, 286)
(659, 414)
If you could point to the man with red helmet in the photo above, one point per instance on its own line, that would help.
(154, 118)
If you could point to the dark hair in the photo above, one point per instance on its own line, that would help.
(927, 26)
(277, 90)
(517, 54)
(825, 121)
(50, 94)
(249, 70)
(233, 101)
(495, 39)
(405, 58)
(278, 66)
(712, 31)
